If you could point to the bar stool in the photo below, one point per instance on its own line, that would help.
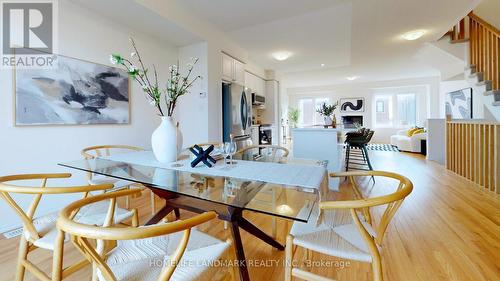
(356, 152)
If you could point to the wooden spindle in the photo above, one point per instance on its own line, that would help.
(462, 29)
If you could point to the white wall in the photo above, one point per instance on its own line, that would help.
(192, 109)
(84, 35)
(489, 10)
(427, 90)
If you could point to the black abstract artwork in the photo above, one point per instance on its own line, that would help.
(352, 105)
(75, 92)
(459, 104)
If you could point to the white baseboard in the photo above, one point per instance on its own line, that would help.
(13, 233)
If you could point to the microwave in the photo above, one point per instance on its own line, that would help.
(258, 100)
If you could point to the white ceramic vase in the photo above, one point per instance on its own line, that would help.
(166, 141)
(328, 120)
(166, 178)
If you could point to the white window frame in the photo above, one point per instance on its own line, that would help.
(398, 118)
(393, 110)
(389, 109)
(314, 99)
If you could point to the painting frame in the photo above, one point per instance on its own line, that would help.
(453, 109)
(352, 102)
(15, 100)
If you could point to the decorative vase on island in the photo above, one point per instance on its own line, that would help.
(334, 122)
(328, 120)
(166, 141)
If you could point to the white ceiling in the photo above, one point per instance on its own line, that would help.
(142, 19)
(345, 34)
(231, 15)
(351, 37)
(299, 35)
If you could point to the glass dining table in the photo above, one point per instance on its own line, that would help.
(228, 197)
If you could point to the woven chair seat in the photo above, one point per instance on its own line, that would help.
(334, 234)
(143, 260)
(94, 214)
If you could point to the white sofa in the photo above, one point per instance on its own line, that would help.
(406, 143)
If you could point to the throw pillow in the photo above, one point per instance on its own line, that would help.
(418, 131)
(410, 131)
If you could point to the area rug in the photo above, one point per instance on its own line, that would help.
(382, 147)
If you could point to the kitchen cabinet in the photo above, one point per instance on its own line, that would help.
(274, 132)
(271, 114)
(255, 134)
(227, 68)
(239, 73)
(232, 70)
(255, 83)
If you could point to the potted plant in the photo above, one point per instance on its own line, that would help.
(293, 116)
(327, 110)
(166, 140)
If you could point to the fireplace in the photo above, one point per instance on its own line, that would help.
(349, 120)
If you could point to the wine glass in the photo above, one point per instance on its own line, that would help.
(226, 151)
(232, 150)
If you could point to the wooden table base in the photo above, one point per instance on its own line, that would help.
(174, 202)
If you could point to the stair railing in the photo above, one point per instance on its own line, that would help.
(473, 151)
(485, 49)
(459, 31)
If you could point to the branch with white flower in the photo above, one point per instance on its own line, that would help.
(176, 86)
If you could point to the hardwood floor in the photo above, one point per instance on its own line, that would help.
(447, 229)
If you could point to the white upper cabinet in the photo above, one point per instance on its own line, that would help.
(232, 70)
(239, 73)
(255, 83)
(227, 68)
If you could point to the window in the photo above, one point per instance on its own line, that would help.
(380, 107)
(307, 111)
(318, 119)
(407, 110)
(383, 111)
(395, 110)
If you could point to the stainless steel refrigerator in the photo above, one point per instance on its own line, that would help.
(237, 114)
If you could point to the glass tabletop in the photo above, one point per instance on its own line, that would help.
(290, 202)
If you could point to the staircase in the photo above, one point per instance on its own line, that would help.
(483, 71)
(484, 56)
(473, 146)
(490, 98)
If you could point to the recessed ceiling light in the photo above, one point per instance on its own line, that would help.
(322, 64)
(352, 78)
(413, 35)
(282, 55)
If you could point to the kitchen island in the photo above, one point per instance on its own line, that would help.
(320, 144)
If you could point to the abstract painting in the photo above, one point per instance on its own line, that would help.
(76, 92)
(352, 105)
(459, 104)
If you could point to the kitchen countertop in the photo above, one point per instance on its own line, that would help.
(320, 129)
(265, 125)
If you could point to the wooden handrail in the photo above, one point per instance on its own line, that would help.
(485, 23)
(473, 151)
(485, 49)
